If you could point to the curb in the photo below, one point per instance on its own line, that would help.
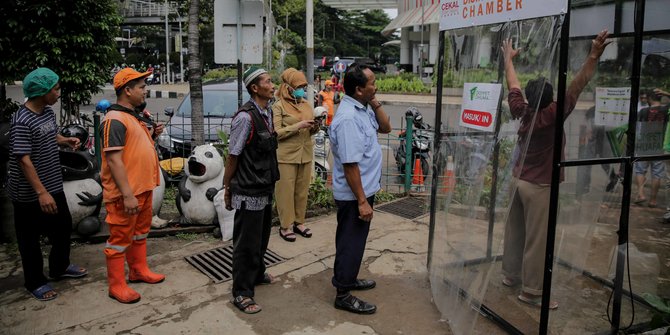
(164, 94)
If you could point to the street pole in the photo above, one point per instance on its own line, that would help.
(270, 27)
(309, 19)
(239, 53)
(181, 54)
(167, 44)
(421, 47)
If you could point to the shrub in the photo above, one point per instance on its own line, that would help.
(220, 74)
(401, 84)
(319, 195)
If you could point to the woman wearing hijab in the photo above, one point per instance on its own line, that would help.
(293, 120)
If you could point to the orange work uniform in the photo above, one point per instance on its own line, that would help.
(121, 130)
(328, 98)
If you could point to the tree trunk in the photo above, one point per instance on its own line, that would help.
(195, 73)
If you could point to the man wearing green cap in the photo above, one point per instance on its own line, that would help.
(249, 180)
(35, 185)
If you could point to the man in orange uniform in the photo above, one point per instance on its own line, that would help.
(129, 175)
(328, 98)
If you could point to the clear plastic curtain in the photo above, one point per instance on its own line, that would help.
(471, 216)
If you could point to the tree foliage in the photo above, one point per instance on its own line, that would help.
(73, 38)
(336, 32)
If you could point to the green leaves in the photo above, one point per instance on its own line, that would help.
(73, 38)
(402, 84)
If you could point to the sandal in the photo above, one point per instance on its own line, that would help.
(307, 233)
(509, 282)
(268, 279)
(537, 301)
(72, 271)
(289, 237)
(41, 293)
(246, 305)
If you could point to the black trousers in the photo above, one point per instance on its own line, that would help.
(350, 239)
(30, 223)
(251, 234)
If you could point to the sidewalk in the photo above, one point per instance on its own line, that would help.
(189, 303)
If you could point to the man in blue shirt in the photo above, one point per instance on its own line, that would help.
(356, 178)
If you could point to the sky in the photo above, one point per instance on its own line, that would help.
(392, 13)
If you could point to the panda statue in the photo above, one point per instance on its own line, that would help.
(204, 178)
(81, 183)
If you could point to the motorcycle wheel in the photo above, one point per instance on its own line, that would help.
(320, 172)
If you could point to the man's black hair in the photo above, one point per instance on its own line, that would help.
(256, 82)
(355, 77)
(130, 84)
(539, 93)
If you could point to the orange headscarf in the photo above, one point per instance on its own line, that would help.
(292, 78)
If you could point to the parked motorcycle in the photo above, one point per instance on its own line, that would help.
(422, 138)
(321, 146)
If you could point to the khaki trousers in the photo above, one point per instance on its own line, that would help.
(526, 236)
(291, 193)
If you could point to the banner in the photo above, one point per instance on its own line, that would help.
(456, 14)
(479, 107)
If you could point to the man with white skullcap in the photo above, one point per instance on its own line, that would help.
(249, 180)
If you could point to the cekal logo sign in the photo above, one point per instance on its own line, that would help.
(480, 105)
(449, 8)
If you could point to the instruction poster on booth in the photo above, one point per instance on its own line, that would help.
(479, 107)
(612, 106)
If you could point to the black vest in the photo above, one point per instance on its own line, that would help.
(257, 169)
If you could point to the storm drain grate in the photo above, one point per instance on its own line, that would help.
(408, 207)
(217, 264)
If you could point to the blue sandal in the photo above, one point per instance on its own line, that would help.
(40, 293)
(72, 271)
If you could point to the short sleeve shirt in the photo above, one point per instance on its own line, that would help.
(353, 139)
(123, 131)
(34, 135)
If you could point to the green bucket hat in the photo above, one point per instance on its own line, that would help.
(39, 82)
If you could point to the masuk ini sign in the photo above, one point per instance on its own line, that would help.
(480, 105)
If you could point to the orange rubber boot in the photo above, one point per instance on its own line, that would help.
(137, 262)
(116, 276)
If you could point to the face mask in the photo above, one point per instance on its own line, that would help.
(299, 93)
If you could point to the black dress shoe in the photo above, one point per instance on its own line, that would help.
(352, 304)
(364, 284)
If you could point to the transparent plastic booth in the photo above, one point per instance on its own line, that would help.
(591, 229)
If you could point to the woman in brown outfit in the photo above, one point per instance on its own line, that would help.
(294, 123)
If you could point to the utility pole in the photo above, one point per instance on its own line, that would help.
(181, 53)
(167, 43)
(421, 47)
(239, 53)
(309, 19)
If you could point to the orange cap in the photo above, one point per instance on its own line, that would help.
(122, 77)
(329, 82)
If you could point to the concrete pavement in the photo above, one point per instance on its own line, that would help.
(189, 303)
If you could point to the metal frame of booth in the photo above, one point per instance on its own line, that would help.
(626, 160)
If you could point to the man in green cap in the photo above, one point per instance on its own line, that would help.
(35, 185)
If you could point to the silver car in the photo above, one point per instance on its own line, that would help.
(219, 107)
